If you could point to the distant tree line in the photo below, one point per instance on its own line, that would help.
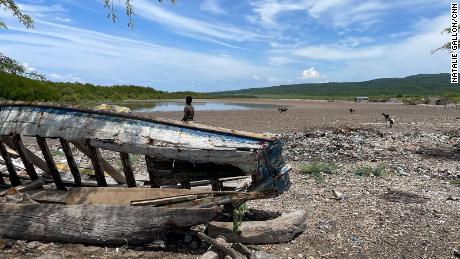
(19, 88)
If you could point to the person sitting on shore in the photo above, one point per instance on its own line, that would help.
(189, 111)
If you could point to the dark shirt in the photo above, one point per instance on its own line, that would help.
(189, 113)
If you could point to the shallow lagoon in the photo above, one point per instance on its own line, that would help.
(171, 106)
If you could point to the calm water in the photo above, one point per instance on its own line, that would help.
(199, 106)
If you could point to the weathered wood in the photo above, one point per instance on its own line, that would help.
(95, 224)
(217, 185)
(221, 246)
(95, 156)
(279, 230)
(48, 196)
(20, 148)
(37, 184)
(50, 162)
(242, 249)
(127, 169)
(71, 161)
(110, 170)
(186, 184)
(121, 195)
(124, 196)
(246, 161)
(13, 176)
(164, 201)
(36, 160)
(150, 163)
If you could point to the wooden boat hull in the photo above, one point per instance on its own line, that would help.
(95, 224)
(175, 152)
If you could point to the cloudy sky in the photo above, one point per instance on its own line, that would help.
(210, 45)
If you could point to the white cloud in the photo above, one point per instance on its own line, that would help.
(406, 57)
(310, 73)
(340, 14)
(278, 61)
(106, 59)
(212, 6)
(192, 27)
(267, 10)
(255, 77)
(338, 52)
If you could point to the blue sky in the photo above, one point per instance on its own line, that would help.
(211, 45)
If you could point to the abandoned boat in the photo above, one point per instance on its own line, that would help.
(177, 155)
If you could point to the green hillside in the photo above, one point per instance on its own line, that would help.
(18, 88)
(411, 86)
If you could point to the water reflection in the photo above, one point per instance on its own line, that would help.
(199, 106)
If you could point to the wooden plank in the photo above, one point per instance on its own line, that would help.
(71, 161)
(164, 201)
(131, 135)
(95, 224)
(96, 160)
(109, 169)
(121, 195)
(222, 246)
(247, 161)
(48, 196)
(160, 121)
(50, 162)
(127, 169)
(186, 184)
(36, 160)
(13, 176)
(20, 148)
(150, 163)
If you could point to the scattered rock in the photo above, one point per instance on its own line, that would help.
(32, 245)
(456, 252)
(337, 195)
(51, 256)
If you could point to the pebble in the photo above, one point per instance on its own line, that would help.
(51, 256)
(32, 245)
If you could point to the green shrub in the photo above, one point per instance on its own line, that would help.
(455, 182)
(317, 169)
(379, 170)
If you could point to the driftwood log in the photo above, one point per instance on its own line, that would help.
(95, 224)
(279, 230)
(221, 245)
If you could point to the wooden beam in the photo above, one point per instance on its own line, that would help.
(95, 224)
(71, 161)
(50, 162)
(21, 149)
(14, 179)
(96, 160)
(127, 169)
(280, 230)
(222, 246)
(110, 170)
(186, 184)
(150, 163)
(36, 160)
(164, 201)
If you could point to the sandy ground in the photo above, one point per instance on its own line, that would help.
(304, 114)
(413, 211)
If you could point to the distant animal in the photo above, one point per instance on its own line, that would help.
(392, 121)
(352, 111)
(283, 109)
(386, 115)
